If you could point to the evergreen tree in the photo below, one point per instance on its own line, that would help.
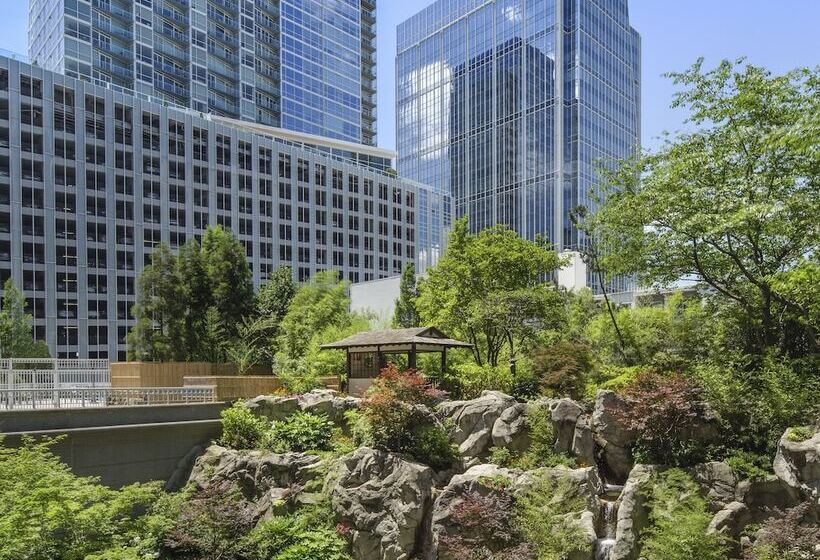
(230, 277)
(272, 304)
(406, 315)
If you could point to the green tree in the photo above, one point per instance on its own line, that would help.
(16, 332)
(272, 303)
(734, 204)
(489, 288)
(406, 314)
(195, 286)
(320, 303)
(159, 311)
(230, 276)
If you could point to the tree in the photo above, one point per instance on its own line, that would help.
(246, 350)
(230, 276)
(734, 204)
(406, 314)
(195, 287)
(159, 311)
(490, 289)
(320, 303)
(16, 332)
(272, 303)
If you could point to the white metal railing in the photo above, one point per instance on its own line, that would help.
(49, 373)
(85, 397)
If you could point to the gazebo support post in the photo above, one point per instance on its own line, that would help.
(444, 360)
(349, 370)
(411, 357)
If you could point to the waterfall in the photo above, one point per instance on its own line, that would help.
(609, 511)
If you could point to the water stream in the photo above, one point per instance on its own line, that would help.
(609, 511)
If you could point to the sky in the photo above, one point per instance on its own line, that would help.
(779, 35)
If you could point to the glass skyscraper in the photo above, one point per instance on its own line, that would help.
(303, 65)
(509, 105)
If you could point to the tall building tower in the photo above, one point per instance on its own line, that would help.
(303, 65)
(509, 105)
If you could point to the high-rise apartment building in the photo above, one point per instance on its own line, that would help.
(303, 65)
(509, 105)
(92, 179)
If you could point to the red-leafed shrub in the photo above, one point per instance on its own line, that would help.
(790, 536)
(483, 527)
(670, 416)
(398, 418)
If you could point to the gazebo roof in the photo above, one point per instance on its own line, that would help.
(419, 336)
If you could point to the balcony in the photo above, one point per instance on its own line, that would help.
(231, 109)
(120, 32)
(227, 4)
(170, 50)
(223, 38)
(126, 16)
(173, 71)
(221, 18)
(222, 88)
(170, 14)
(223, 70)
(268, 7)
(116, 70)
(224, 54)
(124, 54)
(173, 33)
(170, 87)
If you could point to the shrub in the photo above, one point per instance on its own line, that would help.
(800, 433)
(241, 429)
(472, 379)
(211, 525)
(399, 420)
(47, 512)
(789, 536)
(483, 528)
(678, 521)
(307, 534)
(664, 410)
(547, 515)
(749, 465)
(301, 431)
(563, 368)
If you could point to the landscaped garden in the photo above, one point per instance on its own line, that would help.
(574, 428)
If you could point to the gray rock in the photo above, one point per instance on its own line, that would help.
(611, 435)
(720, 482)
(510, 430)
(473, 421)
(797, 464)
(382, 498)
(328, 402)
(565, 414)
(633, 515)
(583, 442)
(272, 407)
(488, 479)
(765, 495)
(263, 477)
(730, 521)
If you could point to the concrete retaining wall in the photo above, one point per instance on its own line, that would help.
(121, 445)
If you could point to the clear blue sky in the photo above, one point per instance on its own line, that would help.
(779, 35)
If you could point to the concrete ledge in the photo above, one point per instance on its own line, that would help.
(56, 419)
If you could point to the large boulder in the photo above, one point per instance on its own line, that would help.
(797, 464)
(267, 479)
(328, 402)
(766, 496)
(381, 499)
(499, 484)
(510, 430)
(564, 414)
(488, 482)
(612, 435)
(633, 514)
(720, 482)
(473, 421)
(730, 522)
(273, 407)
(583, 442)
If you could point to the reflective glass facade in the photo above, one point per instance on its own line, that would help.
(304, 65)
(510, 104)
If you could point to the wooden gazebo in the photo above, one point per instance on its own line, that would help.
(366, 351)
